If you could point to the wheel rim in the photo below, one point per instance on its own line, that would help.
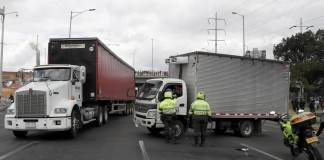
(106, 115)
(75, 123)
(178, 130)
(247, 129)
(100, 116)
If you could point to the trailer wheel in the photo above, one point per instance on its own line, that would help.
(75, 122)
(179, 128)
(20, 134)
(99, 118)
(245, 128)
(105, 115)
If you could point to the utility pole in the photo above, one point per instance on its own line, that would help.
(3, 14)
(216, 29)
(243, 30)
(152, 54)
(301, 26)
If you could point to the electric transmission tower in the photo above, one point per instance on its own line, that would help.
(216, 29)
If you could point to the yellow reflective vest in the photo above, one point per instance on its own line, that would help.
(168, 106)
(200, 107)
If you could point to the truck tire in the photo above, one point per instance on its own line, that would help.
(99, 118)
(75, 122)
(245, 128)
(20, 134)
(105, 115)
(179, 128)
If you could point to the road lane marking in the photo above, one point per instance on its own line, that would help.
(136, 125)
(144, 153)
(17, 150)
(262, 152)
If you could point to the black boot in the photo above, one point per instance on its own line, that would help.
(196, 141)
(202, 143)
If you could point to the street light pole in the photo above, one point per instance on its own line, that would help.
(77, 13)
(1, 56)
(70, 25)
(152, 54)
(3, 14)
(243, 30)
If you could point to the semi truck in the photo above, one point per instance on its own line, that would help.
(84, 82)
(241, 91)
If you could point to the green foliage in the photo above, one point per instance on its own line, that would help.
(305, 52)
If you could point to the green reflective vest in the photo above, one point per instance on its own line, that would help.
(200, 107)
(168, 106)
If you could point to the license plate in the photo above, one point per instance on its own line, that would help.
(30, 125)
(312, 140)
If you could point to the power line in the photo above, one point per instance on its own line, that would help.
(216, 29)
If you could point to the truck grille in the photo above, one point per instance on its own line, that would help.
(31, 103)
(143, 108)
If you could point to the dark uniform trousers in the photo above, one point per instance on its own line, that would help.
(320, 129)
(200, 127)
(169, 126)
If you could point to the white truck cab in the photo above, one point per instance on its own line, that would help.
(149, 97)
(46, 103)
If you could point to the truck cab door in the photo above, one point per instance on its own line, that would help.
(77, 87)
(179, 92)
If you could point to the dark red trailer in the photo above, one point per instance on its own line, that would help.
(109, 80)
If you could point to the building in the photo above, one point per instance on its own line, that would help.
(256, 53)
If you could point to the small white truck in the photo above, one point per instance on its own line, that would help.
(241, 92)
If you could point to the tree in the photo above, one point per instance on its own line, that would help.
(305, 52)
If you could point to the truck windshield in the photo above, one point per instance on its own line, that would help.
(52, 74)
(149, 90)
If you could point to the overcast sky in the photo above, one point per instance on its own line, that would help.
(177, 26)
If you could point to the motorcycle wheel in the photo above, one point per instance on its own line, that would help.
(313, 153)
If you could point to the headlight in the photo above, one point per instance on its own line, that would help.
(60, 110)
(11, 111)
(151, 114)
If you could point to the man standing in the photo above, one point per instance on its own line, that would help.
(201, 114)
(168, 116)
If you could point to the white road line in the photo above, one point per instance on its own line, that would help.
(17, 150)
(262, 152)
(144, 153)
(136, 125)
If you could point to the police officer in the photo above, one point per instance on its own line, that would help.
(201, 114)
(322, 125)
(168, 116)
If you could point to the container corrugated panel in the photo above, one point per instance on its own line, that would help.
(115, 81)
(108, 77)
(239, 85)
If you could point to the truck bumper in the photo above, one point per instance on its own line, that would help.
(147, 122)
(46, 124)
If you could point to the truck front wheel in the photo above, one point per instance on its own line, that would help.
(105, 115)
(179, 128)
(20, 134)
(75, 124)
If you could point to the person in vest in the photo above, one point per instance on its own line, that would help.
(167, 109)
(201, 114)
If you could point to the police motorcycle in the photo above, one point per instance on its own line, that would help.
(299, 135)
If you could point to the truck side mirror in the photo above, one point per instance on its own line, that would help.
(160, 96)
(82, 74)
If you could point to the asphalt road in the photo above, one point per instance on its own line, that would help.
(120, 139)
